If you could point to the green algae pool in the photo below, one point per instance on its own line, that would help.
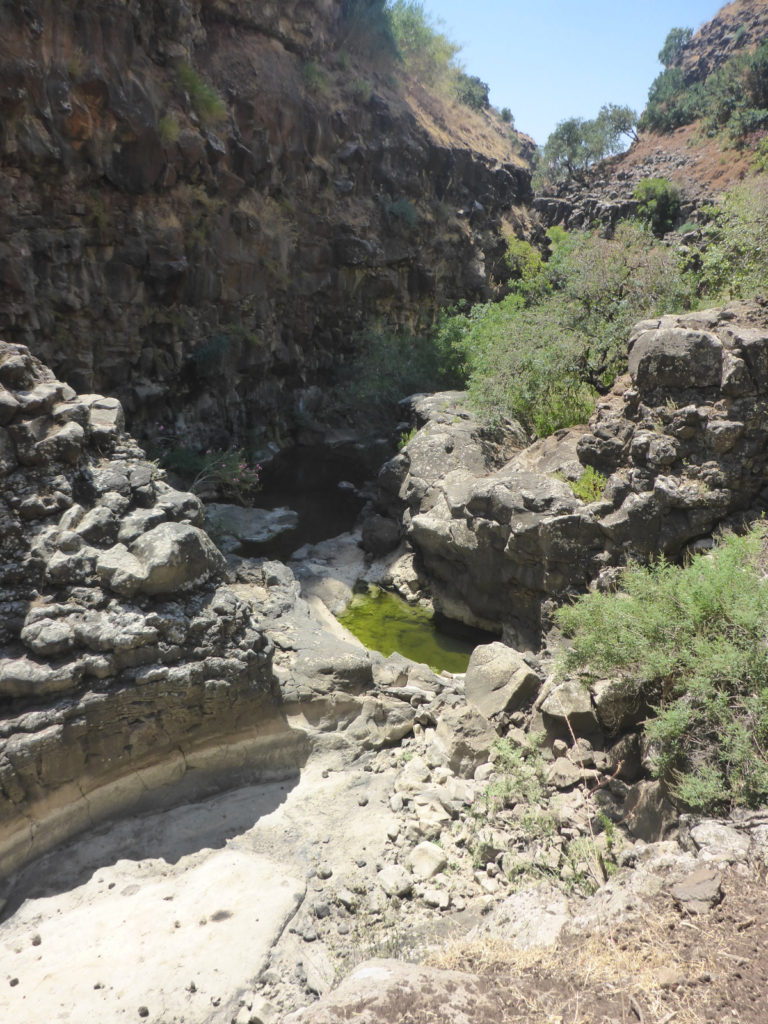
(386, 623)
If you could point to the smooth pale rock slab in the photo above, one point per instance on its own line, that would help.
(249, 525)
(211, 920)
(676, 357)
(395, 880)
(166, 559)
(498, 679)
(531, 918)
(379, 991)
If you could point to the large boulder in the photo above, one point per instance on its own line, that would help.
(498, 679)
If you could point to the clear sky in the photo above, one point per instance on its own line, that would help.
(551, 59)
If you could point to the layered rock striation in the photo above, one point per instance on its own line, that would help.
(202, 203)
(681, 443)
(126, 662)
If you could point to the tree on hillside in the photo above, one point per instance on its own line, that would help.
(617, 121)
(673, 45)
(576, 143)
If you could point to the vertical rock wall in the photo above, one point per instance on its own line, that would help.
(201, 203)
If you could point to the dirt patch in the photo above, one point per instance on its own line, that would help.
(666, 966)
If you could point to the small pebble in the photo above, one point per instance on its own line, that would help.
(143, 1011)
(362, 801)
(324, 871)
(14, 982)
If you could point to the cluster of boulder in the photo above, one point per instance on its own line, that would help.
(681, 443)
(125, 660)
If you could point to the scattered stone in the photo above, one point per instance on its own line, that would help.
(426, 860)
(395, 881)
(699, 891)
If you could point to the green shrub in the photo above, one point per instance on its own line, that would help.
(401, 209)
(691, 642)
(205, 100)
(541, 354)
(506, 116)
(169, 128)
(427, 53)
(659, 202)
(590, 485)
(313, 77)
(734, 263)
(388, 365)
(673, 45)
(471, 91)
(366, 28)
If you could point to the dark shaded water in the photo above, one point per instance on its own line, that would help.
(307, 480)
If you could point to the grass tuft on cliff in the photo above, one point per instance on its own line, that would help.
(692, 642)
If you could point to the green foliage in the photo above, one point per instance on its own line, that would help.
(388, 365)
(401, 209)
(734, 263)
(169, 128)
(541, 354)
(590, 485)
(576, 143)
(360, 90)
(471, 91)
(205, 100)
(313, 77)
(673, 45)
(659, 202)
(690, 641)
(426, 51)
(733, 99)
(506, 116)
(405, 437)
(227, 474)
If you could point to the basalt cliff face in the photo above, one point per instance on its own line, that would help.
(126, 662)
(201, 202)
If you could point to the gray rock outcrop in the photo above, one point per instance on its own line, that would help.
(126, 662)
(681, 442)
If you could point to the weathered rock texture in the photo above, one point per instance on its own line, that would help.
(126, 663)
(202, 259)
(682, 443)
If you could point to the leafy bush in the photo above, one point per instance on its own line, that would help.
(388, 365)
(506, 115)
(673, 45)
(313, 77)
(734, 263)
(659, 202)
(590, 485)
(471, 91)
(205, 100)
(401, 209)
(691, 641)
(428, 53)
(734, 98)
(576, 144)
(541, 354)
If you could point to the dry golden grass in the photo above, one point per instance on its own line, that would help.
(643, 969)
